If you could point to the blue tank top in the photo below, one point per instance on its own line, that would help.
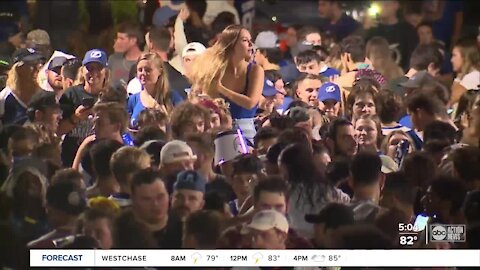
(239, 112)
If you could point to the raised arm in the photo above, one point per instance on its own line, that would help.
(180, 39)
(81, 152)
(254, 89)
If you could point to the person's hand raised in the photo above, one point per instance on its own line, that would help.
(184, 14)
(82, 113)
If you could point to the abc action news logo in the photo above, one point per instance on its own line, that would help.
(447, 233)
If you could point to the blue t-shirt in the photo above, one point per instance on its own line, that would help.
(443, 27)
(329, 72)
(135, 105)
(342, 28)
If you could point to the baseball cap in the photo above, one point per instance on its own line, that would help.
(43, 99)
(4, 64)
(56, 62)
(333, 215)
(417, 80)
(193, 48)
(266, 220)
(153, 148)
(26, 55)
(65, 196)
(388, 164)
(328, 91)
(97, 56)
(38, 37)
(266, 40)
(190, 180)
(162, 16)
(269, 89)
(301, 47)
(299, 114)
(175, 151)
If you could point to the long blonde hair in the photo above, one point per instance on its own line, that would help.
(378, 51)
(209, 67)
(470, 55)
(82, 71)
(162, 85)
(20, 78)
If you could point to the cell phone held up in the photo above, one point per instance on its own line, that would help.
(402, 151)
(88, 102)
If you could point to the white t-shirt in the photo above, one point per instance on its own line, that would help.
(471, 80)
(134, 86)
(297, 209)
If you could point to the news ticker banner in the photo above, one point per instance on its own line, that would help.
(252, 258)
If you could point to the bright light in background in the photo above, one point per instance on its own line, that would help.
(374, 10)
(274, 18)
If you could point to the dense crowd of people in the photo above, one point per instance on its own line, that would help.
(228, 140)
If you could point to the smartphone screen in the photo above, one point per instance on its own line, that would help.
(421, 223)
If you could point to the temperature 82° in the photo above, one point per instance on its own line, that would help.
(212, 258)
(333, 258)
(408, 240)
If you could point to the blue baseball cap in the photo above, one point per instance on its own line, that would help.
(162, 16)
(190, 180)
(269, 89)
(97, 56)
(329, 91)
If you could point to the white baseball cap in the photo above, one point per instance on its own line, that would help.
(266, 220)
(175, 151)
(266, 40)
(193, 48)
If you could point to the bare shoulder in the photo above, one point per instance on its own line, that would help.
(256, 69)
(256, 72)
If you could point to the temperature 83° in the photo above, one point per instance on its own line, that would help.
(273, 258)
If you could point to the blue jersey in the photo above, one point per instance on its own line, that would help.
(14, 110)
(135, 105)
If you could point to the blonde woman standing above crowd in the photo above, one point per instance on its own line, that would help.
(224, 71)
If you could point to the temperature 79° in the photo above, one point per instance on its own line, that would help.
(212, 258)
